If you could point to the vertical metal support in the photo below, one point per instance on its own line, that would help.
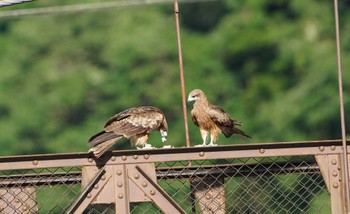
(336, 185)
(330, 166)
(342, 114)
(136, 194)
(88, 173)
(323, 164)
(114, 186)
(121, 189)
(182, 76)
(210, 195)
(192, 198)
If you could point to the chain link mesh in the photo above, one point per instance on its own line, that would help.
(247, 185)
(49, 190)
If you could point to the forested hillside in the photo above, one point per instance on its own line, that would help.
(271, 64)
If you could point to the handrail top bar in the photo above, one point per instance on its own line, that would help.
(234, 147)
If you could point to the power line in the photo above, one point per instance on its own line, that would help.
(78, 8)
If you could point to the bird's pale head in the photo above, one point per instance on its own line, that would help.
(195, 94)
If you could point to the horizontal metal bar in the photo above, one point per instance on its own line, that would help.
(238, 170)
(253, 146)
(163, 173)
(173, 154)
(40, 179)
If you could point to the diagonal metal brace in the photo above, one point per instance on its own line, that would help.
(150, 188)
(83, 197)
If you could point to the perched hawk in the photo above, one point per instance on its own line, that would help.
(211, 118)
(134, 123)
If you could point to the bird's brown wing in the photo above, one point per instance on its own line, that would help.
(220, 117)
(224, 122)
(135, 121)
(124, 114)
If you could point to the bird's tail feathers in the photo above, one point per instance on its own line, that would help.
(102, 141)
(101, 148)
(237, 122)
(243, 133)
(101, 137)
(228, 132)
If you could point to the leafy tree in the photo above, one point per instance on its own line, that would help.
(271, 64)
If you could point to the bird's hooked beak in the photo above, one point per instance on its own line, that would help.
(164, 135)
(190, 98)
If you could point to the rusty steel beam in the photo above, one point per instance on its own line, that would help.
(331, 170)
(40, 179)
(173, 154)
(238, 170)
(121, 189)
(163, 173)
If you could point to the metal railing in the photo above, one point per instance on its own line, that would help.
(289, 177)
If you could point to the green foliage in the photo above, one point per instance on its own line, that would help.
(271, 64)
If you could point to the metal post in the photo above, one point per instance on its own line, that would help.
(330, 170)
(209, 193)
(184, 107)
(345, 173)
(121, 189)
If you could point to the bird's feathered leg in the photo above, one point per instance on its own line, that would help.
(212, 143)
(204, 135)
(141, 142)
(214, 135)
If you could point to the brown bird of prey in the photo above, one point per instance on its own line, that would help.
(212, 119)
(134, 123)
